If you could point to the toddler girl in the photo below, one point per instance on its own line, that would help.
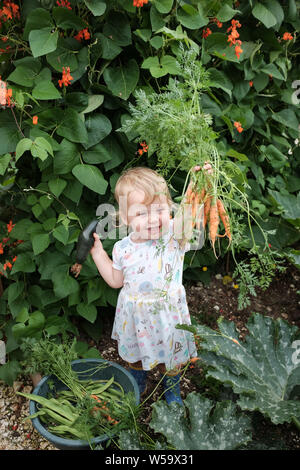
(147, 264)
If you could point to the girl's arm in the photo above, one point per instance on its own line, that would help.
(113, 277)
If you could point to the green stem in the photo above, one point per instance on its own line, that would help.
(296, 422)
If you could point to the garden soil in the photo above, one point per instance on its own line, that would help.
(206, 303)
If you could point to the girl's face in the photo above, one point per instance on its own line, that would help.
(148, 221)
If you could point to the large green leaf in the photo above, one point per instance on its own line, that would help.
(29, 327)
(191, 18)
(261, 369)
(66, 158)
(290, 205)
(9, 133)
(98, 127)
(64, 284)
(67, 19)
(96, 7)
(91, 177)
(117, 28)
(42, 41)
(207, 427)
(122, 80)
(264, 15)
(72, 127)
(37, 19)
(45, 90)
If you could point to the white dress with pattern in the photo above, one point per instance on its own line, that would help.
(152, 302)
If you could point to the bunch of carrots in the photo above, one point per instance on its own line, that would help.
(214, 210)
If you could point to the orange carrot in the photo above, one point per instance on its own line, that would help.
(213, 224)
(224, 218)
(207, 205)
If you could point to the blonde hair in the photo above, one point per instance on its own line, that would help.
(143, 179)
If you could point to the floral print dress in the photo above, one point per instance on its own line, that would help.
(152, 302)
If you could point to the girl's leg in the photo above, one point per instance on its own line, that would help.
(171, 384)
(140, 375)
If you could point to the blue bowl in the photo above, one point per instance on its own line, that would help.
(82, 366)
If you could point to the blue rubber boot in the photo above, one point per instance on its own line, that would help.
(171, 385)
(140, 377)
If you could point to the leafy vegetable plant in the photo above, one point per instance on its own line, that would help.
(261, 369)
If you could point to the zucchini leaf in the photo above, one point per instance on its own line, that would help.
(263, 369)
(202, 428)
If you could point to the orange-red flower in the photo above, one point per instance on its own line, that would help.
(251, 83)
(238, 50)
(83, 34)
(10, 226)
(238, 126)
(1, 249)
(206, 32)
(64, 3)
(139, 3)
(218, 23)
(233, 37)
(144, 148)
(9, 11)
(66, 77)
(287, 37)
(34, 120)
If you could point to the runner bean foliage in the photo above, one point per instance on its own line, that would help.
(69, 71)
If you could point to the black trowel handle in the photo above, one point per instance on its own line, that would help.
(85, 241)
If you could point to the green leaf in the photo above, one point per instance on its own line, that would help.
(10, 371)
(23, 263)
(9, 134)
(4, 162)
(163, 6)
(167, 65)
(91, 177)
(61, 234)
(44, 144)
(94, 101)
(64, 284)
(117, 28)
(204, 426)
(14, 291)
(109, 49)
(260, 369)
(63, 56)
(96, 7)
(290, 205)
(87, 311)
(37, 18)
(271, 69)
(66, 158)
(72, 127)
(34, 324)
(42, 41)
(264, 15)
(226, 13)
(288, 118)
(98, 127)
(122, 80)
(23, 146)
(23, 76)
(218, 79)
(191, 18)
(45, 90)
(67, 19)
(40, 242)
(57, 185)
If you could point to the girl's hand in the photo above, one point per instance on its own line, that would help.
(207, 167)
(97, 245)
